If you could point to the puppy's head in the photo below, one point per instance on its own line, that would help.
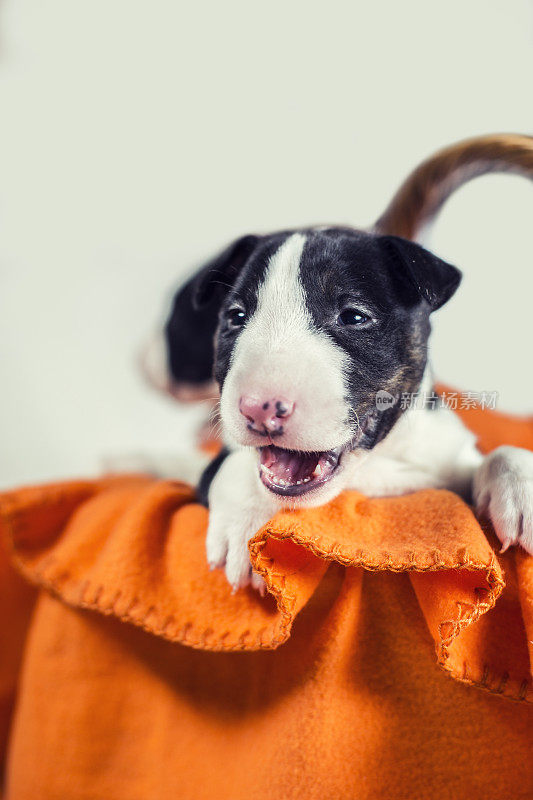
(313, 326)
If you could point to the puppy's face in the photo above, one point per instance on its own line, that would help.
(312, 326)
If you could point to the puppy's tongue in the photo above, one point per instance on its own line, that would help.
(286, 470)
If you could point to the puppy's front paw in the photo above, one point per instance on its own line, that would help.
(238, 508)
(503, 491)
(227, 546)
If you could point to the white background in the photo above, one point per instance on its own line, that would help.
(137, 136)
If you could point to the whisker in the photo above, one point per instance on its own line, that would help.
(354, 413)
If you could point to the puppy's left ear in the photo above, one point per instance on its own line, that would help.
(427, 275)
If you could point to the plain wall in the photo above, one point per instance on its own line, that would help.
(138, 137)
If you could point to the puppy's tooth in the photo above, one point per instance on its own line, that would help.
(318, 470)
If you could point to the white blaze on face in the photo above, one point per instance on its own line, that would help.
(280, 355)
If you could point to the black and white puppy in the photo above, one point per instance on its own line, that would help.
(314, 327)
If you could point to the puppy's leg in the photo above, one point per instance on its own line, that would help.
(503, 491)
(434, 449)
(238, 507)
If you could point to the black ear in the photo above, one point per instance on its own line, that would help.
(221, 272)
(189, 335)
(428, 275)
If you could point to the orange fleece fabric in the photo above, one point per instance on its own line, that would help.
(388, 660)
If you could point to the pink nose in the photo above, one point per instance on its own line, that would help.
(265, 416)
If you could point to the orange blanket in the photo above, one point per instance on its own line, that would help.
(138, 674)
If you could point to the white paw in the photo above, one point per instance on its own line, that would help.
(227, 547)
(238, 508)
(503, 491)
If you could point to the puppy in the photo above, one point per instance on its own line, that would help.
(321, 357)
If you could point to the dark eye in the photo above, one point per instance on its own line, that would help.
(236, 317)
(352, 316)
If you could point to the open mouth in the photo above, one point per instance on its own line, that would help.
(291, 473)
